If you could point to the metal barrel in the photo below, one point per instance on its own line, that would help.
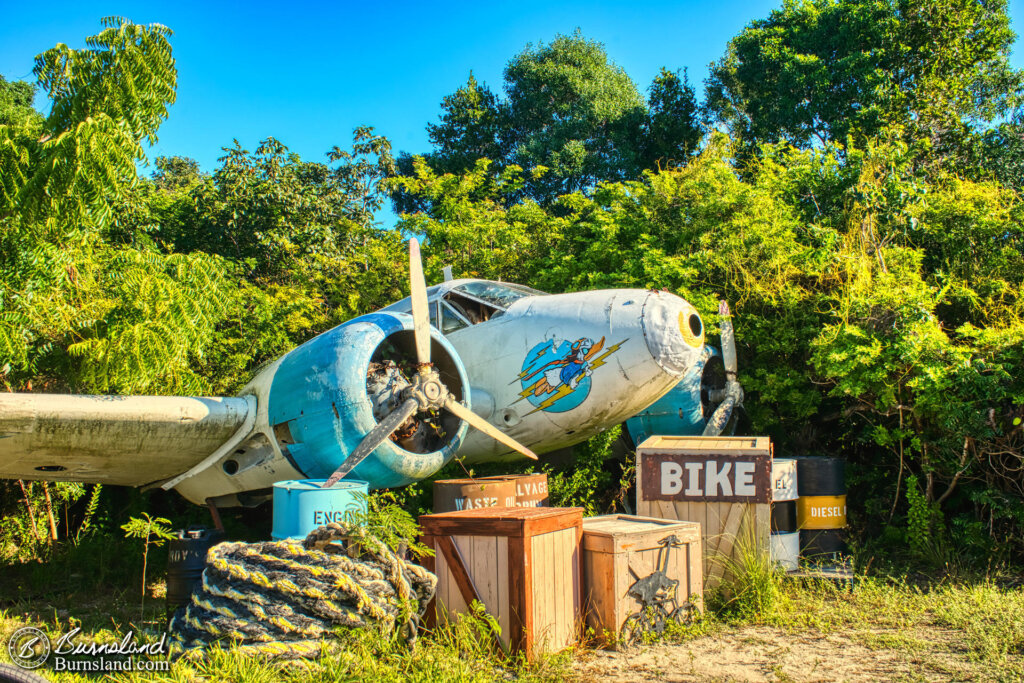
(451, 495)
(785, 550)
(784, 479)
(531, 489)
(821, 508)
(823, 544)
(785, 541)
(301, 505)
(784, 517)
(186, 559)
(821, 475)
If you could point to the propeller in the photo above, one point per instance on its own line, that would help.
(426, 391)
(732, 395)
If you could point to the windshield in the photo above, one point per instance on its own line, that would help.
(496, 293)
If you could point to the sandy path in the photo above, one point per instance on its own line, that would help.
(768, 654)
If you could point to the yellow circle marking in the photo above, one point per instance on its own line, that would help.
(684, 329)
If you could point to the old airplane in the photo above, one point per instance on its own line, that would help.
(388, 397)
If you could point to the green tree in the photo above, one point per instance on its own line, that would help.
(77, 311)
(821, 70)
(573, 112)
(272, 210)
(153, 532)
(674, 126)
(474, 225)
(16, 103)
(176, 172)
(473, 126)
(999, 153)
(569, 117)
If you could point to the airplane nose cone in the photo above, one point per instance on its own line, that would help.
(673, 330)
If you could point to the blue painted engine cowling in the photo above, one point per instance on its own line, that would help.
(320, 410)
(679, 412)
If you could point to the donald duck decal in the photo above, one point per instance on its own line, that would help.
(555, 376)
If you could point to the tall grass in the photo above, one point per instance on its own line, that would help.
(751, 589)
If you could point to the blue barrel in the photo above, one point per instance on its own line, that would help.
(301, 505)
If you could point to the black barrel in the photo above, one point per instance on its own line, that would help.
(821, 508)
(784, 517)
(821, 475)
(823, 545)
(186, 558)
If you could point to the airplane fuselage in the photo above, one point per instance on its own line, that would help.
(549, 371)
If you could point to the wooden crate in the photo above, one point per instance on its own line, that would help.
(722, 483)
(621, 550)
(523, 564)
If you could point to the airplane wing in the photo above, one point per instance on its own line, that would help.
(124, 440)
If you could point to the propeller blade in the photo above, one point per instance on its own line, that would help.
(720, 417)
(420, 312)
(376, 437)
(728, 340)
(484, 426)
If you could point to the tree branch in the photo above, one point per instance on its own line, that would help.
(956, 477)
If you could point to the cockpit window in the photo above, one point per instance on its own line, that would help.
(496, 293)
(473, 310)
(468, 303)
(450, 320)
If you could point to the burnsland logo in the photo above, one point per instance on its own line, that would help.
(30, 648)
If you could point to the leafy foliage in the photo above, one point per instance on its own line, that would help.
(392, 525)
(153, 532)
(577, 485)
(570, 118)
(107, 99)
(818, 71)
(674, 127)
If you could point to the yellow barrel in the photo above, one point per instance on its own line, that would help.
(821, 512)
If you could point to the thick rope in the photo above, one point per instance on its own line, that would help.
(280, 598)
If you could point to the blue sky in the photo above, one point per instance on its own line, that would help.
(308, 73)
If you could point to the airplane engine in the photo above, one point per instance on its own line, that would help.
(318, 402)
(329, 393)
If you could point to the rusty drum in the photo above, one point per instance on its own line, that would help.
(452, 495)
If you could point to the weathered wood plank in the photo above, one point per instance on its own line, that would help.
(526, 582)
(502, 588)
(456, 566)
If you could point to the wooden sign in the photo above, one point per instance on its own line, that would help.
(705, 477)
(723, 483)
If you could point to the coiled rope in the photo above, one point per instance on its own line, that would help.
(280, 598)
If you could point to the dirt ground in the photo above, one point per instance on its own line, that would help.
(769, 654)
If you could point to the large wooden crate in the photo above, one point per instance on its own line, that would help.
(523, 564)
(722, 483)
(623, 553)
